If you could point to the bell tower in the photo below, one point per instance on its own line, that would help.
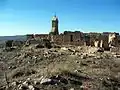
(54, 29)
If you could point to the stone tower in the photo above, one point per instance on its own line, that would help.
(54, 29)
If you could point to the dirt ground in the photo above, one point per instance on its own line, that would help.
(60, 68)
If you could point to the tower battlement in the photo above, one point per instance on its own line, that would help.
(54, 29)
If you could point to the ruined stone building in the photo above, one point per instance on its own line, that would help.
(105, 39)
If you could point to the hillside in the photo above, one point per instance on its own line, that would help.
(59, 68)
(18, 37)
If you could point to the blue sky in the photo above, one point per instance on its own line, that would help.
(19, 17)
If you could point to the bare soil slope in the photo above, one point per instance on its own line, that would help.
(65, 68)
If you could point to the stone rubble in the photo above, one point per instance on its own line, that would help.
(40, 67)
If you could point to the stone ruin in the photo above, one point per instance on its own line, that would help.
(104, 40)
(78, 38)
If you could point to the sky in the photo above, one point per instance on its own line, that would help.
(20, 17)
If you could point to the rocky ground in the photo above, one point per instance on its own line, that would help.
(59, 68)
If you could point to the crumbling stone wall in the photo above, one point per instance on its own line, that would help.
(86, 40)
(96, 43)
(93, 37)
(79, 38)
(99, 40)
(118, 39)
(101, 43)
(112, 39)
(41, 36)
(32, 41)
(104, 41)
(58, 39)
(74, 38)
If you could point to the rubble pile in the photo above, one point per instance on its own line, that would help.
(47, 66)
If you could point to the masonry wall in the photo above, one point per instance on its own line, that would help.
(104, 38)
(99, 41)
(45, 36)
(73, 38)
(58, 39)
(77, 38)
(92, 39)
(68, 38)
(118, 37)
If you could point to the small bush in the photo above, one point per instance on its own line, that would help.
(9, 43)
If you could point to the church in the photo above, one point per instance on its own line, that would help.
(68, 37)
(77, 37)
